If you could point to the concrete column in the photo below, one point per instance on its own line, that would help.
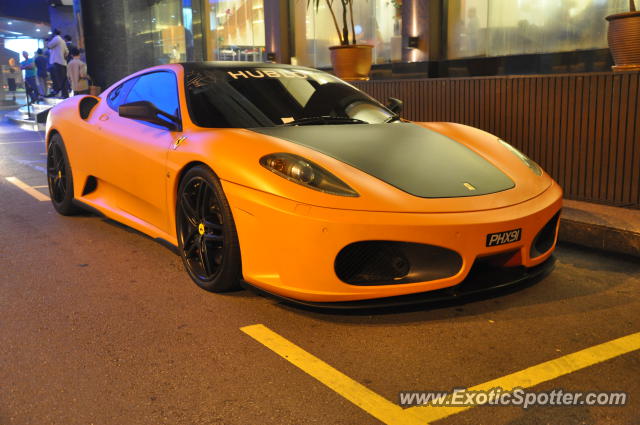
(276, 23)
(421, 19)
(110, 52)
(196, 41)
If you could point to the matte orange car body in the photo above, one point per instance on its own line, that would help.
(290, 235)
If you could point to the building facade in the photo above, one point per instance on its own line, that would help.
(454, 38)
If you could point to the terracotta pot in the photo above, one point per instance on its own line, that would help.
(351, 62)
(624, 40)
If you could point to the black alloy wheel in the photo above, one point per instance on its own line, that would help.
(206, 232)
(59, 177)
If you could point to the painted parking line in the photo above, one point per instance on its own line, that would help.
(28, 189)
(33, 164)
(392, 414)
(541, 373)
(356, 393)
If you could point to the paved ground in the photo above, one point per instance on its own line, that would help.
(101, 325)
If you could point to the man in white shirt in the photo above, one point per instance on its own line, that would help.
(57, 54)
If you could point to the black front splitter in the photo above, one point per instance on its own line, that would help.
(481, 280)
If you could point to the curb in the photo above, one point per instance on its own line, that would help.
(28, 123)
(599, 237)
(611, 229)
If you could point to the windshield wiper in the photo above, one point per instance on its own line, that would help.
(324, 119)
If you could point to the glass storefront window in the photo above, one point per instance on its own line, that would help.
(169, 38)
(235, 30)
(508, 27)
(377, 22)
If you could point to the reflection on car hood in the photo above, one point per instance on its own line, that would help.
(417, 160)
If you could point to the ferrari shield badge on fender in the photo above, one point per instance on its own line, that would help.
(501, 238)
(178, 142)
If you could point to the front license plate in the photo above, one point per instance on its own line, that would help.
(501, 238)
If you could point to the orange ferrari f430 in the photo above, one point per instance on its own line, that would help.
(299, 184)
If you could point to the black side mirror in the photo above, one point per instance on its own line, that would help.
(144, 110)
(395, 105)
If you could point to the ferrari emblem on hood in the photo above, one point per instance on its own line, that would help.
(469, 186)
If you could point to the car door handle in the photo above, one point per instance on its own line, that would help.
(104, 117)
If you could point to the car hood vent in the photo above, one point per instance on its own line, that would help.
(414, 159)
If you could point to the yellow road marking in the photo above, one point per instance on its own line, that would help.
(356, 393)
(40, 186)
(541, 373)
(392, 414)
(26, 188)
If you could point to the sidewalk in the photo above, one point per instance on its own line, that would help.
(602, 227)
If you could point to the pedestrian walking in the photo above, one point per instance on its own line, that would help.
(77, 73)
(57, 54)
(41, 72)
(30, 85)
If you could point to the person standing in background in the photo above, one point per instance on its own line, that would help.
(57, 54)
(69, 42)
(30, 85)
(77, 73)
(47, 54)
(41, 72)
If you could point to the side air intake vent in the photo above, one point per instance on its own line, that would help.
(86, 105)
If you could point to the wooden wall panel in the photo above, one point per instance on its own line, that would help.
(584, 129)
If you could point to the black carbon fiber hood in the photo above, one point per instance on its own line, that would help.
(414, 159)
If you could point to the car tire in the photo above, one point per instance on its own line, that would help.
(207, 238)
(60, 178)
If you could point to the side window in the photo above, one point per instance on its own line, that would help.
(159, 88)
(119, 94)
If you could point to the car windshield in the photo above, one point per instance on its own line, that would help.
(270, 96)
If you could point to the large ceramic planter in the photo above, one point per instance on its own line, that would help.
(351, 62)
(624, 40)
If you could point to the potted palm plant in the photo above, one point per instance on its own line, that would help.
(624, 39)
(350, 61)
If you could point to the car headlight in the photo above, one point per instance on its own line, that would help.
(524, 158)
(304, 172)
